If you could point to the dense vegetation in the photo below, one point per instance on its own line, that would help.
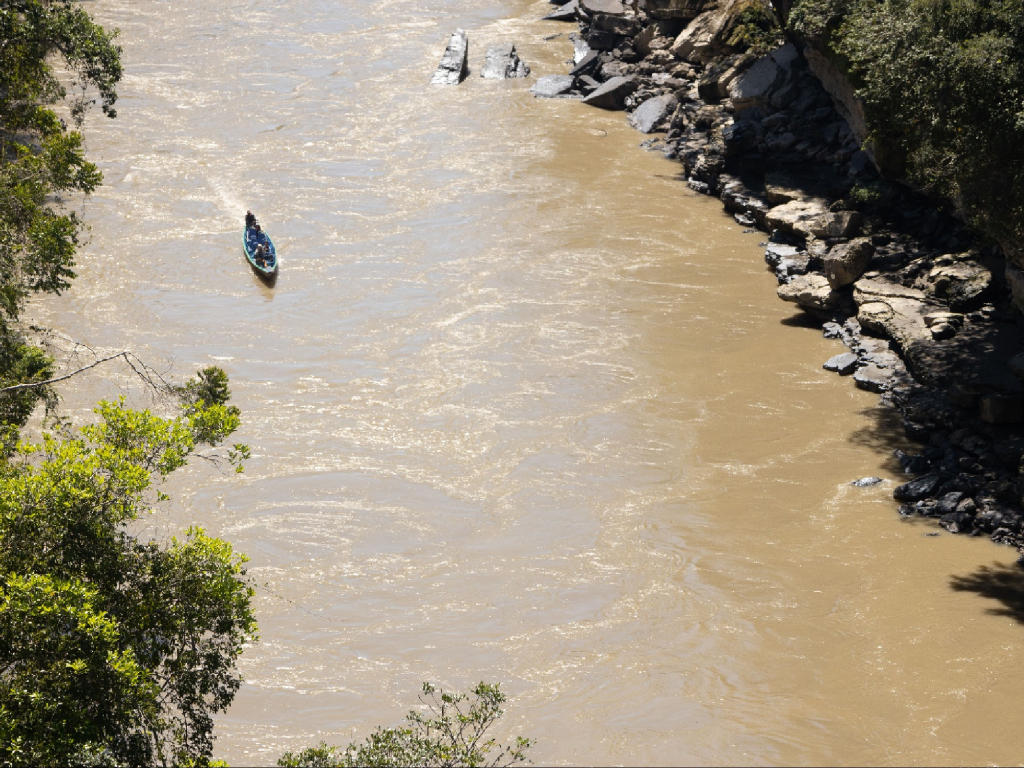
(113, 649)
(941, 82)
(454, 734)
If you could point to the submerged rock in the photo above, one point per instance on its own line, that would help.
(550, 86)
(866, 482)
(453, 67)
(844, 364)
(503, 63)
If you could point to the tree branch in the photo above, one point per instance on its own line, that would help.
(144, 374)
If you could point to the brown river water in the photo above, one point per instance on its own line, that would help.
(522, 408)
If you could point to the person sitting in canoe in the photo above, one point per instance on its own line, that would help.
(250, 220)
(262, 254)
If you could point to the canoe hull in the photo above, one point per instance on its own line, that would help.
(250, 255)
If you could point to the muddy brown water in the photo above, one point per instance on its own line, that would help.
(522, 407)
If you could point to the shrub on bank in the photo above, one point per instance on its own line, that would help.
(941, 83)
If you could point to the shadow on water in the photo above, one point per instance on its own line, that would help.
(1003, 583)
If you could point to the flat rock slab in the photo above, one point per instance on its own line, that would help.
(503, 63)
(844, 364)
(873, 378)
(653, 111)
(798, 217)
(567, 12)
(776, 252)
(552, 86)
(607, 7)
(453, 67)
(612, 95)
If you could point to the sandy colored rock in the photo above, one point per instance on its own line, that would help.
(810, 292)
(845, 263)
(797, 217)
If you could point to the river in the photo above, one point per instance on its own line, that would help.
(522, 407)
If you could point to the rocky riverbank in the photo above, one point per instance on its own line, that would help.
(921, 302)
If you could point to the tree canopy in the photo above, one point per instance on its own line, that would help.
(114, 649)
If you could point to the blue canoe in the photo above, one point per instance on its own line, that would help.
(249, 243)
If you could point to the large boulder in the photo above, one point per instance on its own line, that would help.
(797, 217)
(453, 67)
(503, 63)
(703, 37)
(612, 95)
(962, 283)
(845, 224)
(652, 112)
(550, 86)
(811, 293)
(567, 12)
(845, 263)
(755, 84)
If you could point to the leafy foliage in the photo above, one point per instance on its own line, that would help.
(112, 649)
(755, 29)
(452, 735)
(942, 83)
(40, 160)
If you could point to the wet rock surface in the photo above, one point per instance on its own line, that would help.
(453, 67)
(923, 307)
(503, 63)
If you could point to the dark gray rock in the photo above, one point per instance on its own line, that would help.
(550, 86)
(874, 378)
(843, 364)
(776, 252)
(652, 112)
(948, 503)
(918, 489)
(567, 12)
(912, 465)
(503, 63)
(739, 137)
(792, 266)
(865, 482)
(612, 95)
(453, 68)
(585, 65)
(587, 84)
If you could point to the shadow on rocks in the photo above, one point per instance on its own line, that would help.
(883, 430)
(1003, 583)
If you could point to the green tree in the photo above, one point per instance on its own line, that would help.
(42, 162)
(453, 734)
(113, 649)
